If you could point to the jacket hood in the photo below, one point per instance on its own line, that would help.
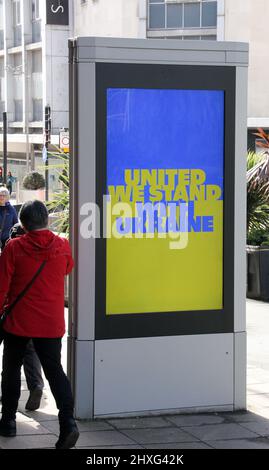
(42, 244)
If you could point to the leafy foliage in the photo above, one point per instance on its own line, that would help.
(33, 180)
(59, 205)
(257, 197)
(258, 238)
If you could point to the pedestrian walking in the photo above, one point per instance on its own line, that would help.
(44, 258)
(10, 181)
(31, 363)
(8, 216)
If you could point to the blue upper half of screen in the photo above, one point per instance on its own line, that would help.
(165, 129)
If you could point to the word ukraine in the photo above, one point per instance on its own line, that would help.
(163, 201)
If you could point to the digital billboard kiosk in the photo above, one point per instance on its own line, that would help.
(158, 214)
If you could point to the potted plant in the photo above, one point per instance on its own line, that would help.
(33, 187)
(258, 221)
(58, 206)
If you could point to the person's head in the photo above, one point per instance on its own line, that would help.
(33, 215)
(4, 195)
(9, 173)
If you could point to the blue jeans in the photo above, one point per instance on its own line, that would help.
(49, 353)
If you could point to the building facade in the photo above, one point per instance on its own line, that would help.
(223, 20)
(33, 74)
(34, 54)
(247, 20)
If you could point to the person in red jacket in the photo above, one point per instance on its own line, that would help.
(31, 363)
(39, 315)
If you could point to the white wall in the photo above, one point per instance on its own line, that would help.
(115, 18)
(248, 20)
(55, 75)
(55, 69)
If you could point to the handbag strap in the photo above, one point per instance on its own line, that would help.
(22, 293)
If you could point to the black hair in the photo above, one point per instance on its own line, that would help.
(33, 215)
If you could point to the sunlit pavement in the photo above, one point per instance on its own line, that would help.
(245, 430)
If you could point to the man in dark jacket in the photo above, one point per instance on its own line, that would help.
(38, 315)
(8, 216)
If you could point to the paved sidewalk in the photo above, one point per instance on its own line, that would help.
(239, 430)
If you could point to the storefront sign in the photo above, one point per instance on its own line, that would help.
(57, 12)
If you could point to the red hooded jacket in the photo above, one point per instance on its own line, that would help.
(40, 313)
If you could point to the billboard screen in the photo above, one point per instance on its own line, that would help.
(165, 181)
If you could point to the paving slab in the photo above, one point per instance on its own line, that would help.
(31, 427)
(159, 436)
(103, 438)
(181, 445)
(260, 400)
(258, 443)
(261, 428)
(258, 388)
(220, 432)
(28, 442)
(96, 448)
(83, 426)
(195, 420)
(244, 417)
(139, 423)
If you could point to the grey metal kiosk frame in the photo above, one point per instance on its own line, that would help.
(106, 356)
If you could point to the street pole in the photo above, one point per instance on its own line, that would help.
(47, 141)
(27, 120)
(5, 147)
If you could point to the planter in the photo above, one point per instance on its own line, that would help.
(30, 195)
(258, 272)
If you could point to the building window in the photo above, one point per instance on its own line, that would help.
(209, 14)
(2, 70)
(16, 12)
(174, 16)
(35, 10)
(1, 15)
(2, 109)
(37, 109)
(37, 61)
(210, 37)
(1, 39)
(36, 86)
(17, 62)
(2, 83)
(191, 15)
(17, 22)
(157, 15)
(179, 14)
(36, 22)
(18, 110)
(1, 25)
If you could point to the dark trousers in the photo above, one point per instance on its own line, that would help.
(49, 352)
(32, 368)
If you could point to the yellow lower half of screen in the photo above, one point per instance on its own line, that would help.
(146, 275)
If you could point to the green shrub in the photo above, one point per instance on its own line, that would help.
(33, 180)
(60, 201)
(257, 199)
